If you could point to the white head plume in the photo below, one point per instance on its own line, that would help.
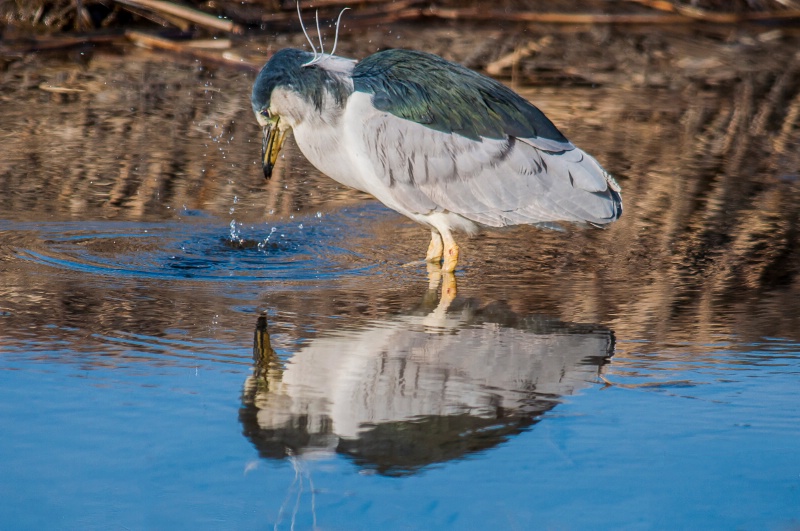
(321, 55)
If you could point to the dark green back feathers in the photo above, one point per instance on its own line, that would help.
(415, 86)
(429, 90)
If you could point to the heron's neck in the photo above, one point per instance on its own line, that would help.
(319, 135)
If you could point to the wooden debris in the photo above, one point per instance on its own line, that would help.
(495, 68)
(554, 18)
(151, 41)
(695, 13)
(186, 13)
(679, 15)
(665, 12)
(58, 89)
(662, 5)
(59, 42)
(57, 15)
(386, 12)
(209, 44)
(369, 13)
(160, 18)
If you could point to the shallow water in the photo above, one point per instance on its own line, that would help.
(184, 345)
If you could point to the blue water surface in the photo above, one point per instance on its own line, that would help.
(143, 446)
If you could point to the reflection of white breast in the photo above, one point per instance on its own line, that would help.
(418, 366)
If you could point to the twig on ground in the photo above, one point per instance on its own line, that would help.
(227, 59)
(165, 9)
(496, 67)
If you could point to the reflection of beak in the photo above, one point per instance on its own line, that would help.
(271, 146)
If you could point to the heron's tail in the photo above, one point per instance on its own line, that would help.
(583, 187)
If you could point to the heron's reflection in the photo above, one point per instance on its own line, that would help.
(418, 389)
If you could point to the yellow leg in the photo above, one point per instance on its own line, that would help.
(450, 253)
(436, 248)
(448, 281)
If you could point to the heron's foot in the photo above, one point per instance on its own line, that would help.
(435, 249)
(450, 258)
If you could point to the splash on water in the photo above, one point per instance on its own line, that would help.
(235, 234)
(264, 245)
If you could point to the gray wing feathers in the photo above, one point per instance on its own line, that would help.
(493, 182)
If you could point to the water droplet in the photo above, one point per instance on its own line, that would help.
(235, 235)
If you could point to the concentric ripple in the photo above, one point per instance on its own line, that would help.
(205, 249)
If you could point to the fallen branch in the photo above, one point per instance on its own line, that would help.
(226, 59)
(58, 43)
(697, 13)
(554, 18)
(209, 44)
(316, 4)
(496, 67)
(411, 10)
(55, 89)
(160, 18)
(186, 13)
(680, 15)
(661, 5)
(388, 12)
(704, 15)
(397, 12)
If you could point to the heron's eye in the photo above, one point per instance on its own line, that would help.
(265, 112)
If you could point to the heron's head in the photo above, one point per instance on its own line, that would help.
(293, 86)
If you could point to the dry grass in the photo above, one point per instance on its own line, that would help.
(86, 15)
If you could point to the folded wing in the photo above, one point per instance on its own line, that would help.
(446, 138)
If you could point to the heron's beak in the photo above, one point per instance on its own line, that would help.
(271, 145)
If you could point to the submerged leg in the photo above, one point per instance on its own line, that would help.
(436, 248)
(450, 252)
(448, 282)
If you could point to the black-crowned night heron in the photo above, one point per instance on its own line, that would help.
(447, 147)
